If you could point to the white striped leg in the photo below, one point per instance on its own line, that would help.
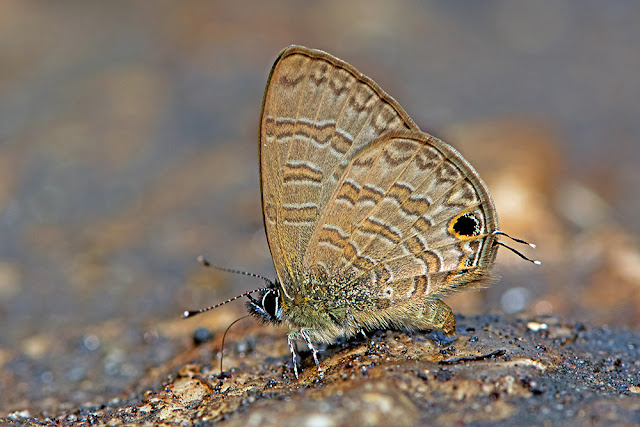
(351, 320)
(306, 338)
(294, 355)
(303, 335)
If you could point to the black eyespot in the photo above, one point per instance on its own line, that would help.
(467, 225)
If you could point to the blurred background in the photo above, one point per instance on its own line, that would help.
(128, 146)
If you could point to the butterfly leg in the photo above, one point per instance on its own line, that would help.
(351, 322)
(303, 335)
(314, 352)
(294, 354)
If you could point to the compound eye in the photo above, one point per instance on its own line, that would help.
(270, 303)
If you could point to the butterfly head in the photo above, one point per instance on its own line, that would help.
(267, 305)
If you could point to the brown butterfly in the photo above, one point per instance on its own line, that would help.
(370, 221)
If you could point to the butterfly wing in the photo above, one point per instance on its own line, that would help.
(318, 112)
(410, 220)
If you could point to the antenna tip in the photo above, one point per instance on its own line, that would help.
(537, 262)
(189, 314)
(532, 245)
(202, 260)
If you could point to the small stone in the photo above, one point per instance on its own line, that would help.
(535, 326)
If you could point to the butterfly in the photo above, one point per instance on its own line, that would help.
(369, 220)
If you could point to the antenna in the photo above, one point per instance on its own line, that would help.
(205, 262)
(502, 233)
(202, 260)
(190, 313)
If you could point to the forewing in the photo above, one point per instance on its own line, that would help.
(318, 112)
(409, 216)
